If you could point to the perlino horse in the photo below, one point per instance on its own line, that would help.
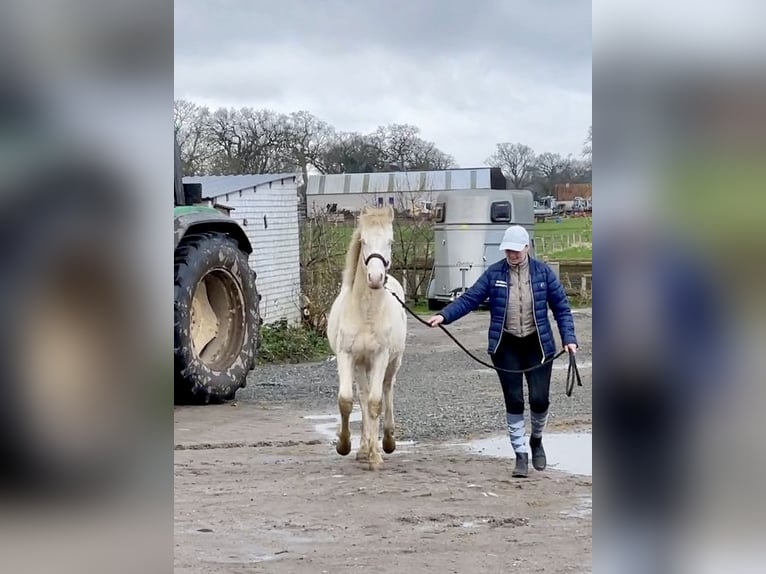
(367, 328)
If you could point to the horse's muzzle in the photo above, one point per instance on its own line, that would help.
(376, 280)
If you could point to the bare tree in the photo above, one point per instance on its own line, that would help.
(517, 162)
(581, 171)
(351, 152)
(224, 139)
(551, 169)
(264, 142)
(248, 141)
(191, 122)
(399, 142)
(426, 156)
(404, 150)
(587, 149)
(550, 165)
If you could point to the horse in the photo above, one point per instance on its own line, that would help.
(366, 329)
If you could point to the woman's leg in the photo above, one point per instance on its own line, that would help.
(539, 385)
(508, 357)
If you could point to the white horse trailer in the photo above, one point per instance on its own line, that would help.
(468, 228)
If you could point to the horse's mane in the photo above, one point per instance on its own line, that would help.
(372, 217)
(352, 257)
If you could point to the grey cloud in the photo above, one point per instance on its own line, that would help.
(513, 32)
(462, 71)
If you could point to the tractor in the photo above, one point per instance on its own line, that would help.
(216, 308)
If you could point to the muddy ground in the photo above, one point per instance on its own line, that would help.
(259, 487)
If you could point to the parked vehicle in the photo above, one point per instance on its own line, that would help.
(468, 228)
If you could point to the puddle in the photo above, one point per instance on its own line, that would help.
(583, 509)
(328, 428)
(569, 452)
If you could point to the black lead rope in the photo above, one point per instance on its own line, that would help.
(573, 374)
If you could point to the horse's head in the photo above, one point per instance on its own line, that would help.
(376, 235)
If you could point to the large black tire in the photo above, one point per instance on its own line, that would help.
(217, 319)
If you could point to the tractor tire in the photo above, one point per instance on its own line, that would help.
(217, 319)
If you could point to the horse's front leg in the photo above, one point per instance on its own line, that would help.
(363, 454)
(389, 444)
(377, 373)
(345, 400)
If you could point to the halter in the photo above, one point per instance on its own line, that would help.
(386, 263)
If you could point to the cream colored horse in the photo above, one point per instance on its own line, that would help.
(366, 329)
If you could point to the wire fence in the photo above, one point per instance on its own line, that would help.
(550, 244)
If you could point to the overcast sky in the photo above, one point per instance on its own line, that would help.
(469, 74)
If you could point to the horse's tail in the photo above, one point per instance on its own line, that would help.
(352, 257)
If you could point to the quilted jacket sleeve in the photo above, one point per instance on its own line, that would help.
(468, 301)
(559, 304)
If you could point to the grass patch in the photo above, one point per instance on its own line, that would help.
(282, 343)
(572, 254)
(568, 225)
(421, 307)
(570, 240)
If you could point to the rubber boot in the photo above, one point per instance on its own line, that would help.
(538, 453)
(522, 465)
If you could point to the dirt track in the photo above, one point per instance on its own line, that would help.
(259, 489)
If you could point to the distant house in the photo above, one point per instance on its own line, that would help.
(266, 206)
(411, 191)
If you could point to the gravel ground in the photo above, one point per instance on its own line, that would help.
(259, 489)
(440, 392)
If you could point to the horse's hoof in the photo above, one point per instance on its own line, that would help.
(343, 447)
(389, 444)
(362, 455)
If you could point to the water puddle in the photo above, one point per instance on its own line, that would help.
(327, 426)
(569, 452)
(583, 509)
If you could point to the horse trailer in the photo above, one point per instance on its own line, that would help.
(468, 229)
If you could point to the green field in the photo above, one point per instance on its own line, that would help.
(573, 224)
(570, 240)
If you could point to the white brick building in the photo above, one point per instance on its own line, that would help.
(266, 206)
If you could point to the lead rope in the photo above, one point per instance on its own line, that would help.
(573, 373)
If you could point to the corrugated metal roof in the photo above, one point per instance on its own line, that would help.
(217, 185)
(414, 181)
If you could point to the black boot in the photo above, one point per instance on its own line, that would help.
(538, 453)
(522, 465)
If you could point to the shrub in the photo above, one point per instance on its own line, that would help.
(282, 343)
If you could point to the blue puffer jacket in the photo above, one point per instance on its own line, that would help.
(546, 290)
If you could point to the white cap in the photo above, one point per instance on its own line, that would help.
(515, 238)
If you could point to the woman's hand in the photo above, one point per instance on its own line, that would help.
(571, 348)
(435, 321)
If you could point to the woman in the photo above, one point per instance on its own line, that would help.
(520, 290)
